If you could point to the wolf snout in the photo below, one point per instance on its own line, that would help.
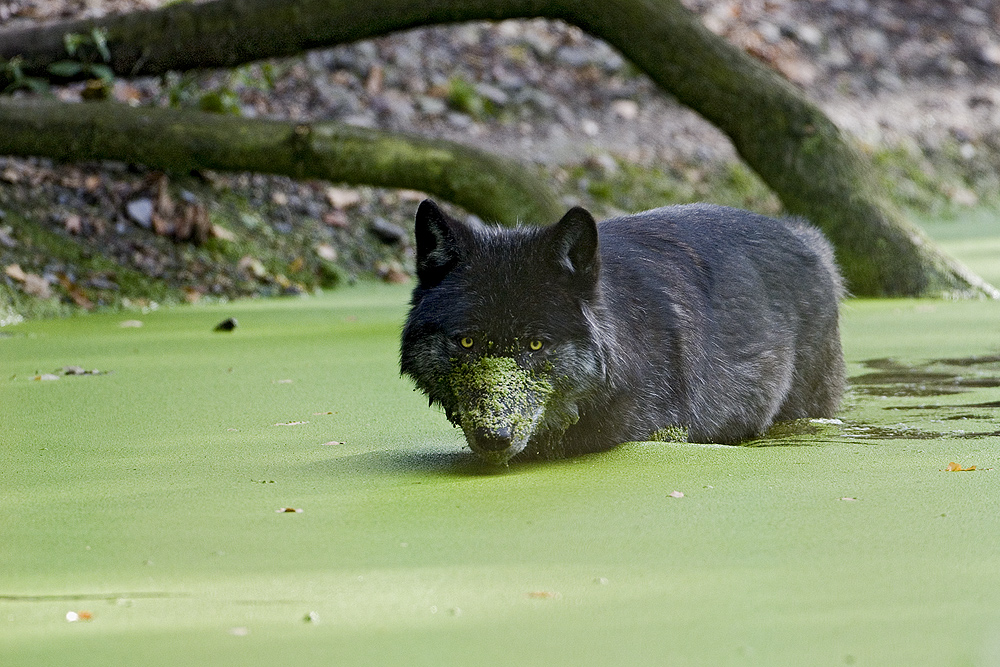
(493, 440)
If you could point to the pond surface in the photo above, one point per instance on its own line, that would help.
(151, 507)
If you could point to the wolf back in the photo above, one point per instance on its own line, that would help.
(560, 340)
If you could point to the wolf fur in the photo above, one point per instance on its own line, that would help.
(560, 340)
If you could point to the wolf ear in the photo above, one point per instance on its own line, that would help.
(576, 246)
(437, 246)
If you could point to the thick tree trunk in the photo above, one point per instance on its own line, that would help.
(798, 152)
(491, 187)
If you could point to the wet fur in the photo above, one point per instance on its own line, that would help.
(712, 318)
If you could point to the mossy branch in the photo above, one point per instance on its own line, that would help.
(494, 188)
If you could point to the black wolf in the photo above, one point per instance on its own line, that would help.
(554, 341)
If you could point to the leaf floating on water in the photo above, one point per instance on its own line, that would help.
(334, 442)
(849, 499)
(957, 467)
(290, 423)
(544, 595)
(676, 494)
(289, 510)
(74, 616)
(45, 377)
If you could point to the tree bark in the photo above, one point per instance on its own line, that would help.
(788, 141)
(493, 188)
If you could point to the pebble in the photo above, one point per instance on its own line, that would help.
(387, 232)
(140, 211)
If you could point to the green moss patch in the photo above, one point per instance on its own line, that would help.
(496, 393)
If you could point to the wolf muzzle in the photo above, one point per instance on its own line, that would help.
(499, 404)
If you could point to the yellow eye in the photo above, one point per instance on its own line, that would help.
(467, 342)
(535, 345)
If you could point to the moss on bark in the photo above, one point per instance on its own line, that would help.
(182, 141)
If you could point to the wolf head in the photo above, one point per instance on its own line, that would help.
(500, 331)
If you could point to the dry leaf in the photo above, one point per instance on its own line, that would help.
(290, 423)
(289, 510)
(334, 442)
(676, 494)
(957, 467)
(544, 595)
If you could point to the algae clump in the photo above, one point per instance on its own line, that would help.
(496, 395)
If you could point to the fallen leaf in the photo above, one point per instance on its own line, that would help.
(676, 494)
(192, 294)
(334, 442)
(291, 423)
(957, 467)
(289, 510)
(46, 376)
(544, 595)
(74, 616)
(848, 499)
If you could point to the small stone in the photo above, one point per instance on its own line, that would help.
(226, 325)
(387, 232)
(140, 211)
(625, 109)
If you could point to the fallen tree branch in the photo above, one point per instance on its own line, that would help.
(494, 188)
(788, 141)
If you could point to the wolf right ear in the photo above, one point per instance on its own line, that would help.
(437, 246)
(576, 245)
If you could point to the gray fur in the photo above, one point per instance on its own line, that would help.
(707, 317)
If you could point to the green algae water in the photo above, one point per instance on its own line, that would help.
(148, 502)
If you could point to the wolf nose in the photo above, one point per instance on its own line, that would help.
(493, 440)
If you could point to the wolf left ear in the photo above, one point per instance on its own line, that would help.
(437, 246)
(575, 244)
